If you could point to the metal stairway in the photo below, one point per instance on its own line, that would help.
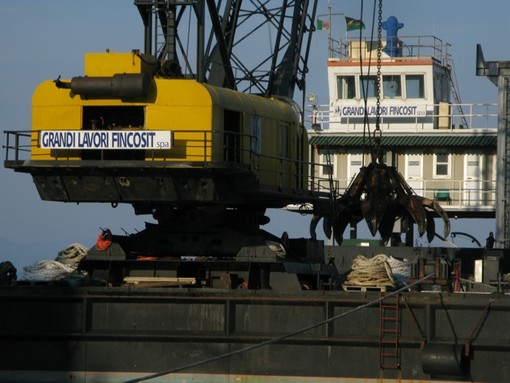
(456, 96)
(389, 331)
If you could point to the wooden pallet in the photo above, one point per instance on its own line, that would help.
(381, 288)
(159, 281)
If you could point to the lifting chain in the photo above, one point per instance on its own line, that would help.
(377, 154)
(415, 320)
(477, 328)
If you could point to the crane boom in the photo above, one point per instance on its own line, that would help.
(233, 27)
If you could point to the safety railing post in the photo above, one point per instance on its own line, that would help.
(7, 146)
(16, 146)
(281, 173)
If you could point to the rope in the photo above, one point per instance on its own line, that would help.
(46, 270)
(63, 266)
(370, 271)
(72, 255)
(280, 338)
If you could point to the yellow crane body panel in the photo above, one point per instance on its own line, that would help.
(123, 114)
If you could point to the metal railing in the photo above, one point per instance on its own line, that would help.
(284, 172)
(191, 148)
(409, 47)
(448, 192)
(479, 116)
(14, 146)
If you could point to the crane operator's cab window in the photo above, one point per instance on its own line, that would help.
(346, 87)
(113, 118)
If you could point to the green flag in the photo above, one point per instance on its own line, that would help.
(322, 25)
(353, 24)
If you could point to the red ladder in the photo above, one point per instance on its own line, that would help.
(389, 331)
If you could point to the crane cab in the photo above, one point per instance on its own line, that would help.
(124, 133)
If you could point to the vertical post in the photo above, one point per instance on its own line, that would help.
(502, 167)
(205, 146)
(16, 145)
(498, 72)
(7, 148)
(330, 30)
(200, 12)
(330, 42)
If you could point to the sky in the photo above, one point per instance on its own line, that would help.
(44, 39)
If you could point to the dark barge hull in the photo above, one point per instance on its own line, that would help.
(113, 334)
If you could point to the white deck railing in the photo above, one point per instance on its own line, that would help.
(450, 193)
(477, 116)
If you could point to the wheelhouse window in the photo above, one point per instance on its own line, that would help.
(327, 167)
(415, 87)
(368, 86)
(392, 87)
(284, 141)
(441, 165)
(355, 164)
(346, 88)
(256, 134)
